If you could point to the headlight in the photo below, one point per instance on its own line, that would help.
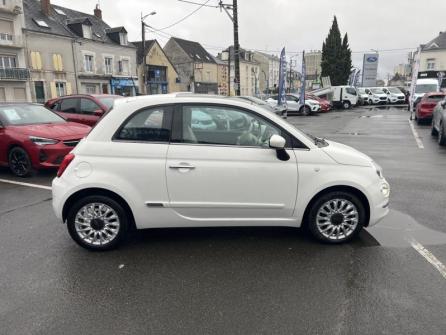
(385, 190)
(379, 170)
(42, 140)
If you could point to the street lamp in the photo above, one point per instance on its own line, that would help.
(143, 53)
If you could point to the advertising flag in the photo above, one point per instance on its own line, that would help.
(281, 100)
(303, 80)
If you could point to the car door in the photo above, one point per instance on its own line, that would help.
(228, 175)
(292, 103)
(70, 109)
(90, 112)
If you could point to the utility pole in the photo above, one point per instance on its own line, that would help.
(229, 73)
(143, 53)
(236, 48)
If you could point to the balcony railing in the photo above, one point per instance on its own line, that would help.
(14, 74)
(11, 40)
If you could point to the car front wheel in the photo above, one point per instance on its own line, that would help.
(97, 223)
(19, 162)
(336, 217)
(442, 136)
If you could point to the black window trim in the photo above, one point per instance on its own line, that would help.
(177, 120)
(167, 124)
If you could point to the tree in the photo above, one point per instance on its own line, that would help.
(336, 56)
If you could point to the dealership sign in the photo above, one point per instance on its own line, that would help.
(370, 70)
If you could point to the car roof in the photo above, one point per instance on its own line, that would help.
(89, 95)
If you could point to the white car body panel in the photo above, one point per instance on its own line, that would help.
(229, 186)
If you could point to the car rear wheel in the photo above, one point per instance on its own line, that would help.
(19, 162)
(442, 136)
(97, 223)
(305, 110)
(336, 217)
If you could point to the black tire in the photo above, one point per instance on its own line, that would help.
(305, 110)
(346, 105)
(442, 136)
(19, 162)
(111, 203)
(319, 203)
(434, 132)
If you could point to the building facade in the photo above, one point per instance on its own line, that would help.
(196, 68)
(269, 66)
(249, 72)
(72, 52)
(156, 73)
(433, 54)
(14, 74)
(222, 75)
(313, 61)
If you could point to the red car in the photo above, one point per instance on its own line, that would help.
(425, 107)
(83, 108)
(33, 138)
(325, 104)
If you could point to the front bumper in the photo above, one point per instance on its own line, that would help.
(48, 156)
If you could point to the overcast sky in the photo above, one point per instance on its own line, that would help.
(296, 24)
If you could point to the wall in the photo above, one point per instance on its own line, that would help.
(438, 55)
(182, 63)
(248, 79)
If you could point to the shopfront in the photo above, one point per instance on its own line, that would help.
(123, 86)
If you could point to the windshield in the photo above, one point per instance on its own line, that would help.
(394, 90)
(436, 98)
(377, 91)
(425, 88)
(108, 101)
(28, 114)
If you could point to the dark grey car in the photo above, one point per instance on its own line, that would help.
(439, 122)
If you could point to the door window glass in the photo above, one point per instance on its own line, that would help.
(149, 125)
(88, 106)
(225, 126)
(69, 106)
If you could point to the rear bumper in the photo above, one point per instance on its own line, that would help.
(379, 203)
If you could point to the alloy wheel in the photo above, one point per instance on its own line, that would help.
(337, 219)
(19, 162)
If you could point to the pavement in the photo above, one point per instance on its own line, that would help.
(391, 280)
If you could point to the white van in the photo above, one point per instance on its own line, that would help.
(424, 86)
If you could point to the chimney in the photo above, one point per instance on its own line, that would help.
(98, 12)
(46, 7)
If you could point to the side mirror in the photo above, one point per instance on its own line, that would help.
(98, 112)
(277, 142)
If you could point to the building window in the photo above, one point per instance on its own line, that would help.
(431, 63)
(88, 63)
(108, 65)
(36, 60)
(7, 62)
(123, 39)
(86, 31)
(57, 62)
(90, 89)
(60, 89)
(124, 66)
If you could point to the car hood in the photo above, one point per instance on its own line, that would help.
(311, 101)
(380, 95)
(345, 155)
(57, 131)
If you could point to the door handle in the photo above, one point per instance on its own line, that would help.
(182, 166)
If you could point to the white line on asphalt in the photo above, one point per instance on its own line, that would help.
(417, 137)
(25, 184)
(429, 257)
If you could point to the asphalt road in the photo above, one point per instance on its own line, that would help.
(242, 280)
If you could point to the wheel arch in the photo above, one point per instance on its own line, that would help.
(339, 188)
(97, 191)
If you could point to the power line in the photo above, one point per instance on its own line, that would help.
(185, 17)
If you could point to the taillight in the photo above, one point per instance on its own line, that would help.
(63, 166)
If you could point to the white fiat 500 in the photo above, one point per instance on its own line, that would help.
(185, 160)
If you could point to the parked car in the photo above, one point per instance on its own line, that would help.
(439, 122)
(425, 108)
(83, 108)
(279, 110)
(363, 94)
(340, 96)
(377, 96)
(325, 104)
(129, 172)
(394, 95)
(422, 87)
(34, 138)
(294, 106)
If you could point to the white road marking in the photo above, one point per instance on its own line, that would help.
(429, 257)
(417, 137)
(25, 184)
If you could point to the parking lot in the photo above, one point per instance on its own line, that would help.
(241, 280)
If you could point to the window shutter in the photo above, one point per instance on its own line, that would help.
(55, 63)
(69, 91)
(33, 60)
(60, 61)
(38, 61)
(53, 90)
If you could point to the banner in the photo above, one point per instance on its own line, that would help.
(370, 70)
(303, 80)
(281, 99)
